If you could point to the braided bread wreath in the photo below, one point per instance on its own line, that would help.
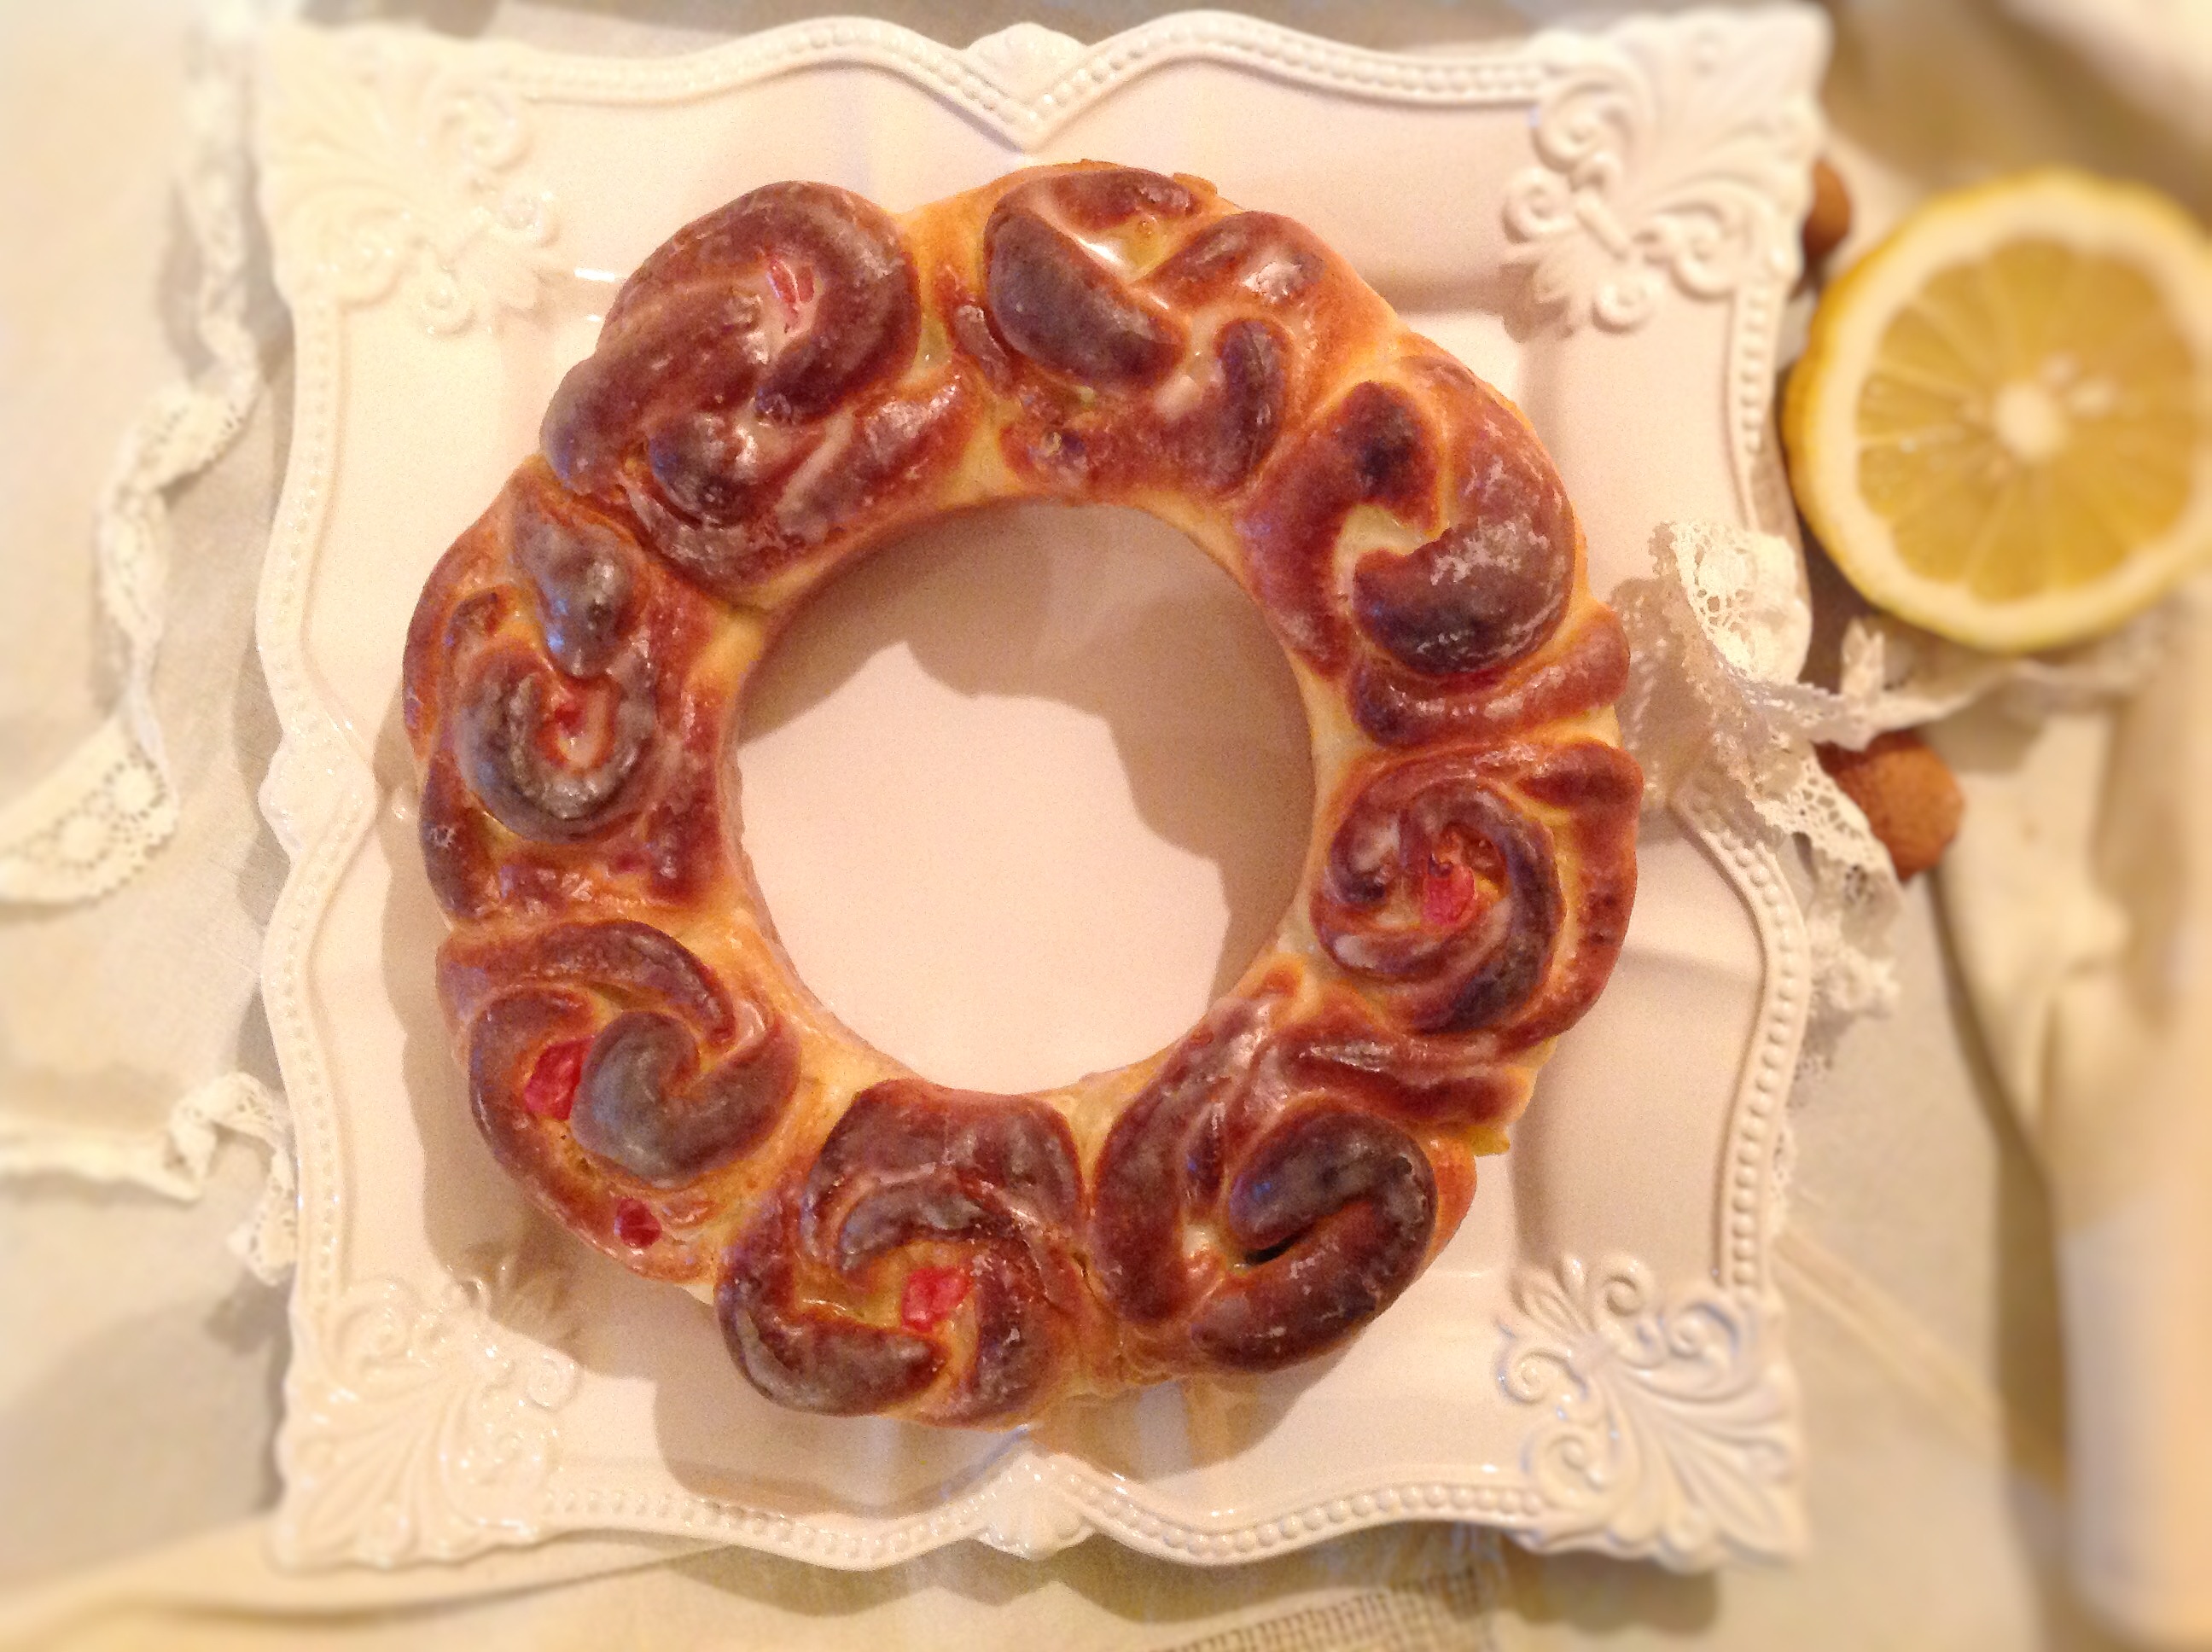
(786, 383)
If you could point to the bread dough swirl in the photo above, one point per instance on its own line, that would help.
(791, 381)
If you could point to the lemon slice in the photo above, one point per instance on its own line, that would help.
(2001, 425)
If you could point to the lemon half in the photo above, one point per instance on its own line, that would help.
(2001, 425)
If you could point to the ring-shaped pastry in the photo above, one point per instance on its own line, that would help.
(790, 381)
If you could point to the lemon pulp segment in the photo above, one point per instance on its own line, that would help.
(2027, 419)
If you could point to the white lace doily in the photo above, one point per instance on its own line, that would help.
(91, 824)
(85, 827)
(1718, 636)
(175, 1161)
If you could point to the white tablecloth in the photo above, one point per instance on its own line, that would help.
(139, 1367)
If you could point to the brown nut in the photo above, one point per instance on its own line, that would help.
(1907, 793)
(1828, 219)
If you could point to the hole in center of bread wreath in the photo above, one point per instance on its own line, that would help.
(1025, 792)
(799, 379)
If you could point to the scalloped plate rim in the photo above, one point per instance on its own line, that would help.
(319, 796)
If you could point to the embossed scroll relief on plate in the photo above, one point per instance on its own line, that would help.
(1152, 1297)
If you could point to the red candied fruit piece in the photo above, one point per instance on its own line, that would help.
(792, 287)
(551, 1089)
(931, 1293)
(1446, 893)
(561, 726)
(635, 1225)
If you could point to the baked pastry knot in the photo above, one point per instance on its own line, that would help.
(791, 381)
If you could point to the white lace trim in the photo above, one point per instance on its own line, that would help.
(1718, 636)
(175, 1160)
(95, 820)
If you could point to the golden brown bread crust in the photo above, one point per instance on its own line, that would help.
(786, 383)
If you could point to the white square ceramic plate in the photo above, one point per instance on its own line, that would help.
(1603, 224)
